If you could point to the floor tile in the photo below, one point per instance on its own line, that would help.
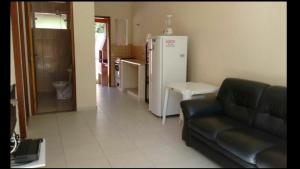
(85, 156)
(55, 158)
(121, 133)
(116, 146)
(130, 159)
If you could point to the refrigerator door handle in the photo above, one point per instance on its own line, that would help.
(150, 67)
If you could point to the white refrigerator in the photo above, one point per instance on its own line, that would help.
(167, 64)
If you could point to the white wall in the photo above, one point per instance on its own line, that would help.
(84, 38)
(116, 10)
(226, 39)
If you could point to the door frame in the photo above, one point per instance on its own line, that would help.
(31, 58)
(23, 56)
(71, 27)
(18, 68)
(109, 44)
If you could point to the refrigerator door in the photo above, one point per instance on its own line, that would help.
(174, 59)
(174, 66)
(155, 77)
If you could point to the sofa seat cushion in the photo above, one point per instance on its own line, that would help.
(210, 126)
(274, 157)
(245, 143)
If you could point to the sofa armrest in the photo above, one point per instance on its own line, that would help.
(200, 107)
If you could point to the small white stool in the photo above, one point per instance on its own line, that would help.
(187, 89)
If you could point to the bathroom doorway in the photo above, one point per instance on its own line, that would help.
(102, 50)
(50, 29)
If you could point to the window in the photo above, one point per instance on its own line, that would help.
(50, 20)
(100, 27)
(100, 35)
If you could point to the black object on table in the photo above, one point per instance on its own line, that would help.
(27, 151)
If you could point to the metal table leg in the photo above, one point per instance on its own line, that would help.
(165, 105)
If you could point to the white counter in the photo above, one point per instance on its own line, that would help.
(134, 61)
(132, 72)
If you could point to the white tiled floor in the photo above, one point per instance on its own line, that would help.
(121, 133)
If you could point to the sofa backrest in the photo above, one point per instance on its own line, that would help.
(240, 98)
(272, 111)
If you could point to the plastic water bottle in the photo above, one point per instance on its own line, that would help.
(168, 30)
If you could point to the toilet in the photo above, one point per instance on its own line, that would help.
(63, 88)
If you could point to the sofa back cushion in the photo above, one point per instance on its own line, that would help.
(240, 98)
(272, 111)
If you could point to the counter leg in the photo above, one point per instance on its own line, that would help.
(165, 105)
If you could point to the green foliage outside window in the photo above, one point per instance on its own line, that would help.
(100, 27)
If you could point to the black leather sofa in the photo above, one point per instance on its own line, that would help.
(246, 122)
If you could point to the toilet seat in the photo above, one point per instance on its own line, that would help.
(60, 84)
(62, 90)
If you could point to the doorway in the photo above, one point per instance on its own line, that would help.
(52, 53)
(102, 50)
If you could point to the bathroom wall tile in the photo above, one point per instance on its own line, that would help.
(138, 52)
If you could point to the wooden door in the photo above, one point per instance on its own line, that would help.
(105, 52)
(45, 48)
